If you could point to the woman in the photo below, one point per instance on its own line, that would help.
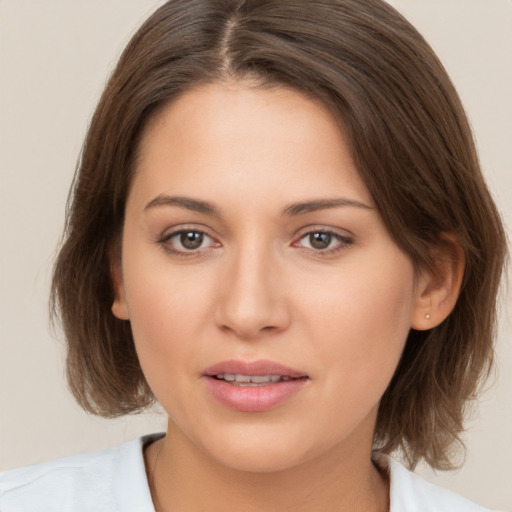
(280, 232)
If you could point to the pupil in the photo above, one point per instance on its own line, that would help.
(191, 239)
(320, 240)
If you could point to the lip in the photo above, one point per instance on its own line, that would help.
(259, 398)
(253, 368)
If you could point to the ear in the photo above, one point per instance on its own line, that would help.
(119, 306)
(438, 287)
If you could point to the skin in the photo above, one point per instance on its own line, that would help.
(256, 288)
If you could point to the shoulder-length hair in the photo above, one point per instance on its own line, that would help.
(413, 147)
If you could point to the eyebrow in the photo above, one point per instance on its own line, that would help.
(322, 204)
(184, 202)
(291, 210)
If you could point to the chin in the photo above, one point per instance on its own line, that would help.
(259, 460)
(261, 450)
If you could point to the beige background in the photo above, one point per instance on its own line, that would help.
(54, 58)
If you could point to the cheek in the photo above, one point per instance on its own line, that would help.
(380, 310)
(165, 331)
(167, 311)
(361, 327)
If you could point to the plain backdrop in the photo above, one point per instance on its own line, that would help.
(55, 56)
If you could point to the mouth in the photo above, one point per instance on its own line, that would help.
(253, 386)
(260, 372)
(253, 380)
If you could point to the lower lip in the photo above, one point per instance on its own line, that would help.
(254, 398)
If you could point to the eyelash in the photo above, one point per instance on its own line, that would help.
(165, 242)
(343, 242)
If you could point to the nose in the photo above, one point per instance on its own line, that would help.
(252, 300)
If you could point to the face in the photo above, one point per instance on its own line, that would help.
(268, 303)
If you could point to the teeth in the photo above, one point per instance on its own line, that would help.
(265, 378)
(251, 379)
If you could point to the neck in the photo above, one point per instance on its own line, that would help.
(183, 478)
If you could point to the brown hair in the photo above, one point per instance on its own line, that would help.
(411, 141)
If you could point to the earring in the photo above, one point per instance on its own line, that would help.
(427, 316)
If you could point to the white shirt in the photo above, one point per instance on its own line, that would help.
(115, 480)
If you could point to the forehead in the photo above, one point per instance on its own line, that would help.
(247, 137)
(258, 111)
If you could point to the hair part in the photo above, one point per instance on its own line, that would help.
(410, 140)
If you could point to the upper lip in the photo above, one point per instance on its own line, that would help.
(253, 368)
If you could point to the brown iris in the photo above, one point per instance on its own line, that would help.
(191, 239)
(320, 240)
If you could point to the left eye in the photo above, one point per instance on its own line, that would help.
(323, 241)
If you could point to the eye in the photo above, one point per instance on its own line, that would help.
(186, 242)
(321, 241)
(190, 240)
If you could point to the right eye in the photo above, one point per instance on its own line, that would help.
(186, 242)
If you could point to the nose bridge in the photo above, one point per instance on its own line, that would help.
(253, 300)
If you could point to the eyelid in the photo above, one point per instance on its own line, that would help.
(322, 228)
(167, 235)
(345, 238)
